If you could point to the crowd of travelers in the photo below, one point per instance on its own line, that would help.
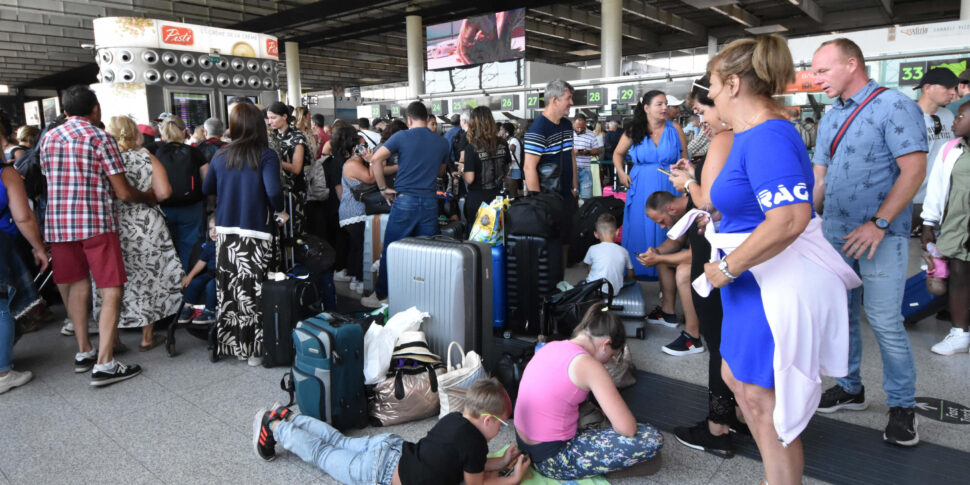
(136, 219)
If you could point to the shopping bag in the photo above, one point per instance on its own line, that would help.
(454, 383)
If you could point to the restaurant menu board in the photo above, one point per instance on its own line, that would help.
(52, 108)
(193, 108)
(32, 111)
(161, 34)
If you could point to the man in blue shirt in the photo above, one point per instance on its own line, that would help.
(422, 156)
(866, 188)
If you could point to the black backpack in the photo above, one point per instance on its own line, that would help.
(182, 163)
(28, 166)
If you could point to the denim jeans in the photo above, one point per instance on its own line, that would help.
(881, 293)
(185, 223)
(366, 460)
(585, 182)
(202, 285)
(6, 334)
(410, 216)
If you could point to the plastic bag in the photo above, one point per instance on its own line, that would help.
(489, 227)
(379, 342)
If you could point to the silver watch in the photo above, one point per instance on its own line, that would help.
(723, 266)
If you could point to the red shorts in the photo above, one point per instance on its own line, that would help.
(100, 256)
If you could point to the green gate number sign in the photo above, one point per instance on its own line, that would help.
(596, 97)
(626, 94)
(532, 101)
(395, 111)
(456, 105)
(375, 111)
(436, 108)
(910, 73)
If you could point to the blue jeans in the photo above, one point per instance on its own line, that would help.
(410, 216)
(202, 284)
(185, 223)
(366, 460)
(585, 182)
(883, 283)
(6, 335)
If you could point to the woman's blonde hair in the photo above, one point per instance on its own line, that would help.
(172, 129)
(27, 135)
(302, 115)
(125, 132)
(764, 64)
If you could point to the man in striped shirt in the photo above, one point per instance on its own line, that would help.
(586, 145)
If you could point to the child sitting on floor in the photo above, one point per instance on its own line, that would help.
(608, 259)
(454, 451)
(200, 283)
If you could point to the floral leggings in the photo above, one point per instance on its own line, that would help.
(599, 451)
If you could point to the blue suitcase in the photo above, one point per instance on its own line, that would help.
(918, 302)
(499, 302)
(328, 373)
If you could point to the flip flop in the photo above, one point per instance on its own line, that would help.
(156, 341)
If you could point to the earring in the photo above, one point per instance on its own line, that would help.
(723, 123)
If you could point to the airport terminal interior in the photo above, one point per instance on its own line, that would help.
(357, 67)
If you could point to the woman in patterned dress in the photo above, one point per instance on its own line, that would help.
(294, 155)
(153, 290)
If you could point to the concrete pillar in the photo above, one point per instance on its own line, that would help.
(293, 90)
(416, 55)
(711, 47)
(611, 37)
(964, 10)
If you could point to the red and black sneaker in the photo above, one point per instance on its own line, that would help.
(263, 442)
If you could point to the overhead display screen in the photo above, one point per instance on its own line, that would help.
(477, 40)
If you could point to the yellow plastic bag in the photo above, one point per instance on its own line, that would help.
(489, 227)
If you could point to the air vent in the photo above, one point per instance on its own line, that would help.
(188, 60)
(127, 75)
(205, 62)
(206, 79)
(107, 76)
(238, 64)
(222, 64)
(152, 76)
(188, 77)
(170, 76)
(267, 83)
(254, 82)
(106, 57)
(223, 80)
(149, 56)
(252, 65)
(169, 59)
(125, 56)
(239, 81)
(268, 67)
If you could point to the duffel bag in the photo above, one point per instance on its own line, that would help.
(535, 215)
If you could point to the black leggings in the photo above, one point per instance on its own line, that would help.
(355, 249)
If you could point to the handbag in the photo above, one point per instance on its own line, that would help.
(562, 312)
(362, 189)
(408, 393)
(453, 384)
(375, 203)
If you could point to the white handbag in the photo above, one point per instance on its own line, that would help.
(454, 383)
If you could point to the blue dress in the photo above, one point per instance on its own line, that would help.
(639, 232)
(768, 167)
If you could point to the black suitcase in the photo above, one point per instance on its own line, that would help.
(533, 268)
(284, 303)
(584, 224)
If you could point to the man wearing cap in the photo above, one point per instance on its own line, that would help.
(148, 138)
(673, 108)
(937, 88)
(963, 93)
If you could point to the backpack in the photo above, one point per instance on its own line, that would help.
(183, 172)
(316, 180)
(28, 166)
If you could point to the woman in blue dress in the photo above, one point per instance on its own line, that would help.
(653, 142)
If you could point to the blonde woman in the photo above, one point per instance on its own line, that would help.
(153, 290)
(304, 124)
(186, 167)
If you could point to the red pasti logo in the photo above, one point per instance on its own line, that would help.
(272, 47)
(177, 35)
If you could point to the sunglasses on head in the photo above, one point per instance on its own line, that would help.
(695, 85)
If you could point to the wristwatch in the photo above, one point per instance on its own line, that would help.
(382, 188)
(880, 222)
(723, 266)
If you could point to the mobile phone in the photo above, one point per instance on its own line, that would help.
(665, 171)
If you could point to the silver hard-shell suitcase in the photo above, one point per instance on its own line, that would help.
(629, 305)
(450, 280)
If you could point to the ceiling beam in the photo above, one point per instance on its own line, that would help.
(593, 21)
(887, 9)
(304, 14)
(641, 9)
(810, 8)
(562, 32)
(738, 15)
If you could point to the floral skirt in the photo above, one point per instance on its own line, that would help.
(241, 264)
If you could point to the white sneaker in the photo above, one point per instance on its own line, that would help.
(357, 286)
(371, 301)
(341, 276)
(68, 328)
(957, 340)
(255, 361)
(14, 379)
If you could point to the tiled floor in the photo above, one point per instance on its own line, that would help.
(186, 420)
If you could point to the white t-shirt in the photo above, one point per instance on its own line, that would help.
(936, 142)
(608, 260)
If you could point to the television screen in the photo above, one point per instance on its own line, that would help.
(477, 40)
(193, 108)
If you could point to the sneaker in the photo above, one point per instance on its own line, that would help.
(901, 429)
(684, 345)
(14, 379)
(68, 329)
(371, 301)
(122, 372)
(206, 317)
(699, 437)
(357, 286)
(836, 398)
(658, 317)
(254, 361)
(958, 340)
(188, 313)
(341, 276)
(85, 364)
(264, 444)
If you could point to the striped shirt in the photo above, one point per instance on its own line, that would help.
(553, 144)
(77, 158)
(587, 140)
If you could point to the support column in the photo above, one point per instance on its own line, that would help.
(711, 47)
(293, 90)
(416, 55)
(964, 10)
(611, 37)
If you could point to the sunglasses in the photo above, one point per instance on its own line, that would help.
(504, 424)
(937, 125)
(695, 85)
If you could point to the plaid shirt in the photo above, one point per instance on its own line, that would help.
(77, 158)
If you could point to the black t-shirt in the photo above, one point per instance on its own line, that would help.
(452, 447)
(489, 170)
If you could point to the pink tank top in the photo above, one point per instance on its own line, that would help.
(547, 408)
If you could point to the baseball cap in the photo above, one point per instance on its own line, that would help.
(674, 100)
(941, 75)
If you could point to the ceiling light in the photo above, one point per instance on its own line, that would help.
(766, 29)
(584, 52)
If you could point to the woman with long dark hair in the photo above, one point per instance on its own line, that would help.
(245, 176)
(652, 142)
(295, 153)
(485, 161)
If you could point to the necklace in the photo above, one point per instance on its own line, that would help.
(754, 121)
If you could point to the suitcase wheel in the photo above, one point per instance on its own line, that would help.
(641, 334)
